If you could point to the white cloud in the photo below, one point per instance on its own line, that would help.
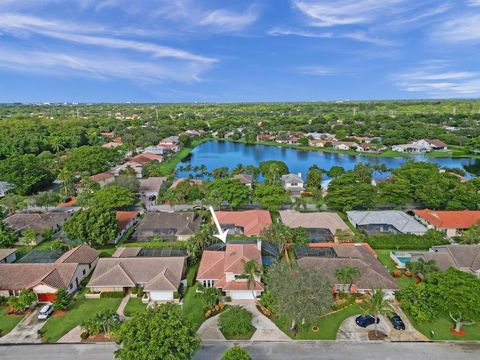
(344, 12)
(97, 66)
(462, 29)
(228, 20)
(473, 2)
(316, 70)
(438, 80)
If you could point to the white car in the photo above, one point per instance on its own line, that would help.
(45, 312)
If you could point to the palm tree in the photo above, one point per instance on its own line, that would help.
(377, 305)
(347, 275)
(251, 269)
(422, 268)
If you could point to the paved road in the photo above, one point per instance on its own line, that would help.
(266, 351)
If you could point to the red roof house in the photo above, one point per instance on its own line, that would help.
(249, 223)
(450, 222)
(225, 270)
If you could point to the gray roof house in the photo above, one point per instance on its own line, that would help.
(38, 222)
(167, 226)
(7, 256)
(389, 221)
(245, 179)
(4, 188)
(461, 257)
(160, 277)
(293, 184)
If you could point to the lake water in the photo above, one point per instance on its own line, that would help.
(215, 154)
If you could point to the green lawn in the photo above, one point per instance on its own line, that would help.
(384, 257)
(134, 306)
(7, 323)
(81, 310)
(107, 250)
(328, 325)
(441, 328)
(193, 308)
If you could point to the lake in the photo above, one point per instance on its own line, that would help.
(215, 154)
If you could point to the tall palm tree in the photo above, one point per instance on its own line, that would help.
(251, 269)
(347, 275)
(422, 268)
(377, 305)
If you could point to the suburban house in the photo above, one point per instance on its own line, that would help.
(155, 149)
(159, 277)
(7, 256)
(452, 223)
(39, 222)
(293, 184)
(249, 222)
(5, 187)
(45, 279)
(171, 140)
(321, 136)
(265, 137)
(420, 146)
(111, 145)
(318, 142)
(151, 186)
(135, 166)
(320, 226)
(144, 158)
(125, 220)
(245, 179)
(328, 258)
(343, 145)
(388, 221)
(367, 147)
(103, 178)
(224, 270)
(167, 226)
(461, 257)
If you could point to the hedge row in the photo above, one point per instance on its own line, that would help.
(407, 241)
(112, 294)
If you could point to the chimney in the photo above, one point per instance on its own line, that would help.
(300, 174)
(259, 244)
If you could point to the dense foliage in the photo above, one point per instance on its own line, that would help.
(235, 321)
(159, 333)
(407, 241)
(236, 353)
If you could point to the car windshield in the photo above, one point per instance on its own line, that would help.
(45, 309)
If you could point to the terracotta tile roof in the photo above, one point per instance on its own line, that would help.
(145, 158)
(102, 176)
(242, 285)
(237, 254)
(252, 221)
(25, 276)
(211, 265)
(129, 272)
(4, 253)
(82, 254)
(437, 143)
(463, 219)
(124, 218)
(151, 184)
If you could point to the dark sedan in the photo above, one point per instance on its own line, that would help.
(397, 322)
(366, 320)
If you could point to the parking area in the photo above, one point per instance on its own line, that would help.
(26, 331)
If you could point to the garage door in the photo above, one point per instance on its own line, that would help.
(242, 295)
(46, 297)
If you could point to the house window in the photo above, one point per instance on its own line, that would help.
(83, 272)
(71, 286)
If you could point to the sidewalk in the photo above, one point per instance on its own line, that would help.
(121, 307)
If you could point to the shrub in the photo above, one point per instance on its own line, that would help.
(84, 335)
(140, 292)
(236, 353)
(62, 300)
(3, 300)
(112, 294)
(134, 290)
(237, 321)
(268, 301)
(228, 299)
(407, 241)
(176, 295)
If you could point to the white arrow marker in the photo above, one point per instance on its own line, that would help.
(221, 235)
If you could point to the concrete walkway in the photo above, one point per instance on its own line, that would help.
(266, 329)
(209, 330)
(73, 336)
(121, 307)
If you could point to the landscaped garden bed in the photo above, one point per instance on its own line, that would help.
(235, 323)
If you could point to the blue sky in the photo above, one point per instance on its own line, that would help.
(240, 50)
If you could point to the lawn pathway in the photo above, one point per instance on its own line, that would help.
(121, 307)
(209, 330)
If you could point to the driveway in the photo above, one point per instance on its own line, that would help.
(266, 329)
(350, 331)
(26, 331)
(209, 330)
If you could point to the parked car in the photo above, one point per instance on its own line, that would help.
(45, 312)
(366, 320)
(152, 198)
(397, 322)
